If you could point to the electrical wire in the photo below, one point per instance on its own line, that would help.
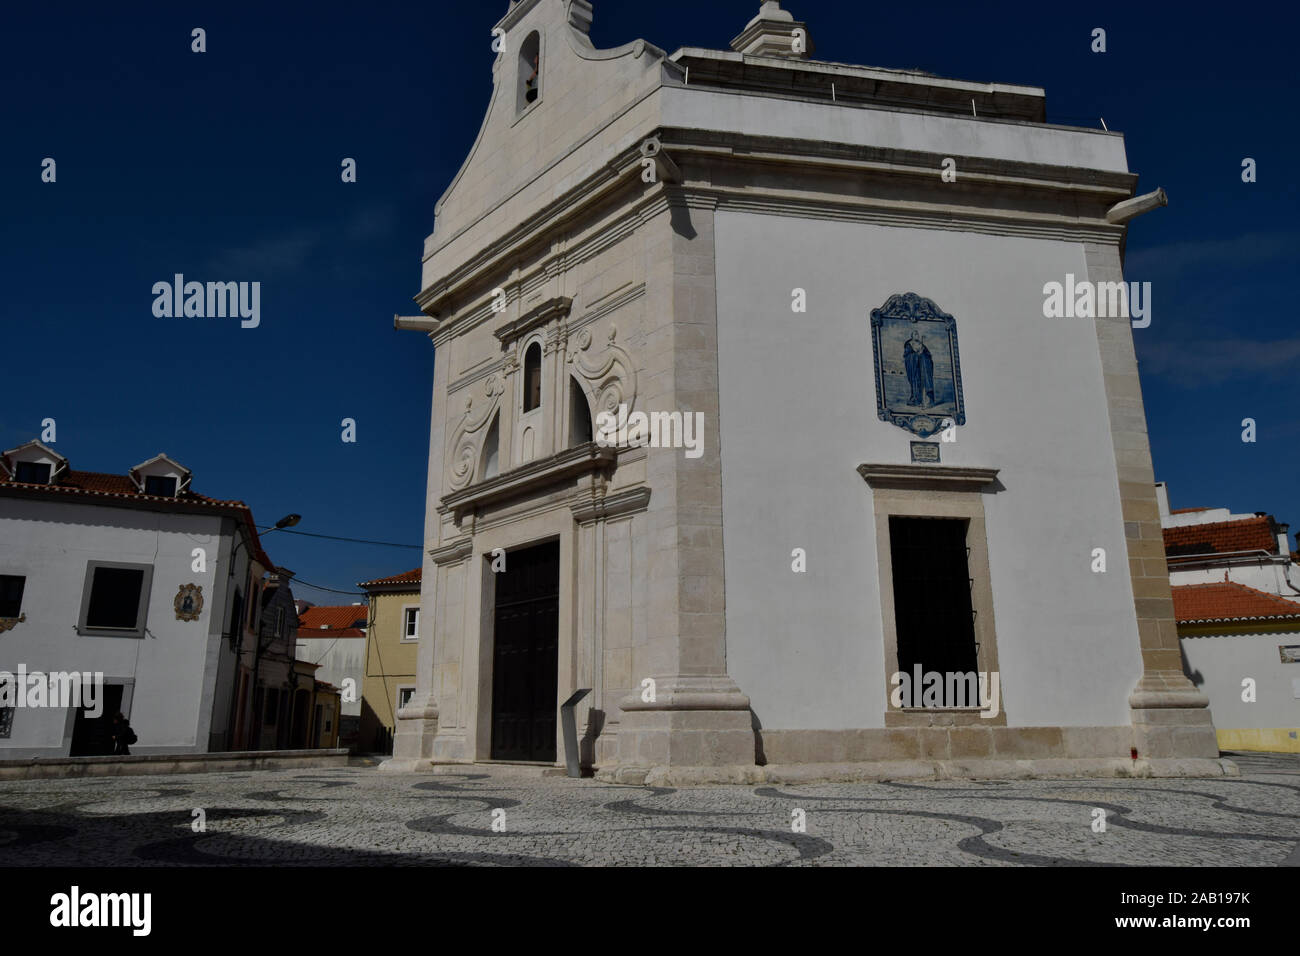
(317, 587)
(331, 537)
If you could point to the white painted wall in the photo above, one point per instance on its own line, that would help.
(172, 668)
(339, 658)
(798, 415)
(1219, 664)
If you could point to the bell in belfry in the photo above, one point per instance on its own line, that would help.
(531, 94)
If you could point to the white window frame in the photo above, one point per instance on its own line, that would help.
(406, 639)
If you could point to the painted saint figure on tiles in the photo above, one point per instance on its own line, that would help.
(919, 365)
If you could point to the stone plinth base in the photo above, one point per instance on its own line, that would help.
(413, 743)
(693, 722)
(1171, 719)
(883, 770)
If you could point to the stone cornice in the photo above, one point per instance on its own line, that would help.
(700, 149)
(622, 171)
(453, 553)
(528, 478)
(951, 478)
(552, 308)
(587, 510)
(892, 161)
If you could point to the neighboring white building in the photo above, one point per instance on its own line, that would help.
(842, 273)
(1236, 586)
(1209, 545)
(134, 576)
(335, 639)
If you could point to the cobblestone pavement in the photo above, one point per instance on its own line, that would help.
(359, 816)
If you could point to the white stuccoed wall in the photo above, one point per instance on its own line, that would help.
(50, 543)
(1222, 661)
(798, 414)
(339, 659)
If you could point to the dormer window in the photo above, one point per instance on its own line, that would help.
(33, 472)
(161, 477)
(533, 377)
(33, 463)
(530, 70)
(162, 486)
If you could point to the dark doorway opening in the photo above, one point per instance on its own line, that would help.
(525, 655)
(93, 737)
(933, 613)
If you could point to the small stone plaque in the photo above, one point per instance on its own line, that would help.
(926, 451)
(1290, 653)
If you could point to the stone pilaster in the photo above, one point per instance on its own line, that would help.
(698, 724)
(417, 723)
(1171, 717)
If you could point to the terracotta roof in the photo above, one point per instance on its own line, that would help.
(1187, 511)
(345, 621)
(408, 577)
(1221, 537)
(1229, 601)
(98, 484)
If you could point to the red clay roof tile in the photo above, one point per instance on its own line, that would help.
(1221, 537)
(1229, 601)
(407, 577)
(332, 621)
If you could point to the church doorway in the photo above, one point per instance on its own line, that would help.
(932, 598)
(525, 655)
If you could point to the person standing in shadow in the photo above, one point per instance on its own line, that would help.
(123, 737)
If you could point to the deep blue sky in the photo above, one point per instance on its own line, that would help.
(225, 165)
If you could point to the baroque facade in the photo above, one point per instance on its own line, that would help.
(839, 270)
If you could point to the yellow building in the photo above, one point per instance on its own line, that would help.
(391, 642)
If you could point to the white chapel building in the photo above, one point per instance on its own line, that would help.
(747, 416)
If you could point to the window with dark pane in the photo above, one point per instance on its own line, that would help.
(115, 598)
(236, 615)
(33, 472)
(11, 594)
(162, 486)
(533, 377)
(933, 613)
